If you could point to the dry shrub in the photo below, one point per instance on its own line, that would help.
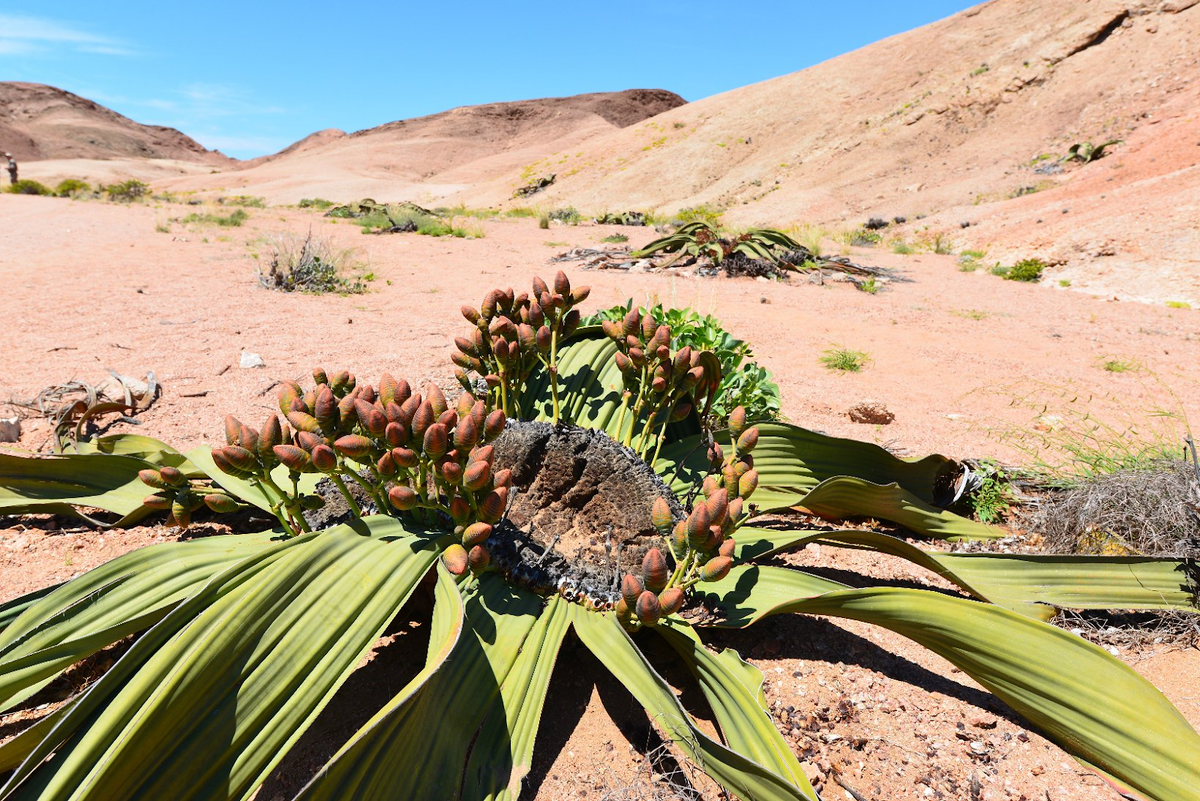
(1148, 511)
(310, 264)
(1137, 511)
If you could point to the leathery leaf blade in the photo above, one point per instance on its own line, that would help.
(605, 638)
(848, 496)
(791, 461)
(418, 745)
(125, 595)
(733, 688)
(503, 751)
(589, 392)
(1037, 585)
(356, 770)
(139, 446)
(249, 491)
(1092, 705)
(590, 389)
(58, 484)
(209, 711)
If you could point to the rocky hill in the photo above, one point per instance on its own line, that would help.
(436, 155)
(39, 122)
(961, 122)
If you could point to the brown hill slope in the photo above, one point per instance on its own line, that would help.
(41, 122)
(948, 121)
(433, 156)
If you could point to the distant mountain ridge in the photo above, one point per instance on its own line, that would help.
(39, 122)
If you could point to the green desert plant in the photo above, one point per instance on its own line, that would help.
(710, 215)
(1085, 152)
(72, 187)
(245, 201)
(566, 216)
(994, 496)
(126, 191)
(744, 382)
(311, 265)
(844, 360)
(701, 240)
(245, 639)
(318, 203)
(232, 220)
(1119, 365)
(615, 239)
(28, 186)
(1029, 270)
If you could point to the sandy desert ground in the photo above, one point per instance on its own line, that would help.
(964, 360)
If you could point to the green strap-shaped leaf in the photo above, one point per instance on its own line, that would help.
(503, 751)
(16, 750)
(846, 496)
(1094, 706)
(154, 451)
(417, 746)
(793, 467)
(1037, 585)
(605, 638)
(58, 484)
(13, 609)
(791, 461)
(590, 387)
(116, 599)
(733, 688)
(210, 712)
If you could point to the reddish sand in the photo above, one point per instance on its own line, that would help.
(92, 285)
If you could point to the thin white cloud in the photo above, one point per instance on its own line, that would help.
(21, 35)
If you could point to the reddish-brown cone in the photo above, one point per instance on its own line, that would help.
(655, 573)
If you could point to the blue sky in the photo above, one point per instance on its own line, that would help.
(251, 78)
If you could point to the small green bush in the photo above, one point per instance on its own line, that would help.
(743, 381)
(318, 203)
(843, 360)
(27, 186)
(126, 191)
(314, 266)
(1119, 366)
(72, 187)
(233, 220)
(247, 201)
(615, 239)
(703, 213)
(1026, 270)
(994, 497)
(566, 216)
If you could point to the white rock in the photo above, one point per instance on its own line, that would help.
(249, 360)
